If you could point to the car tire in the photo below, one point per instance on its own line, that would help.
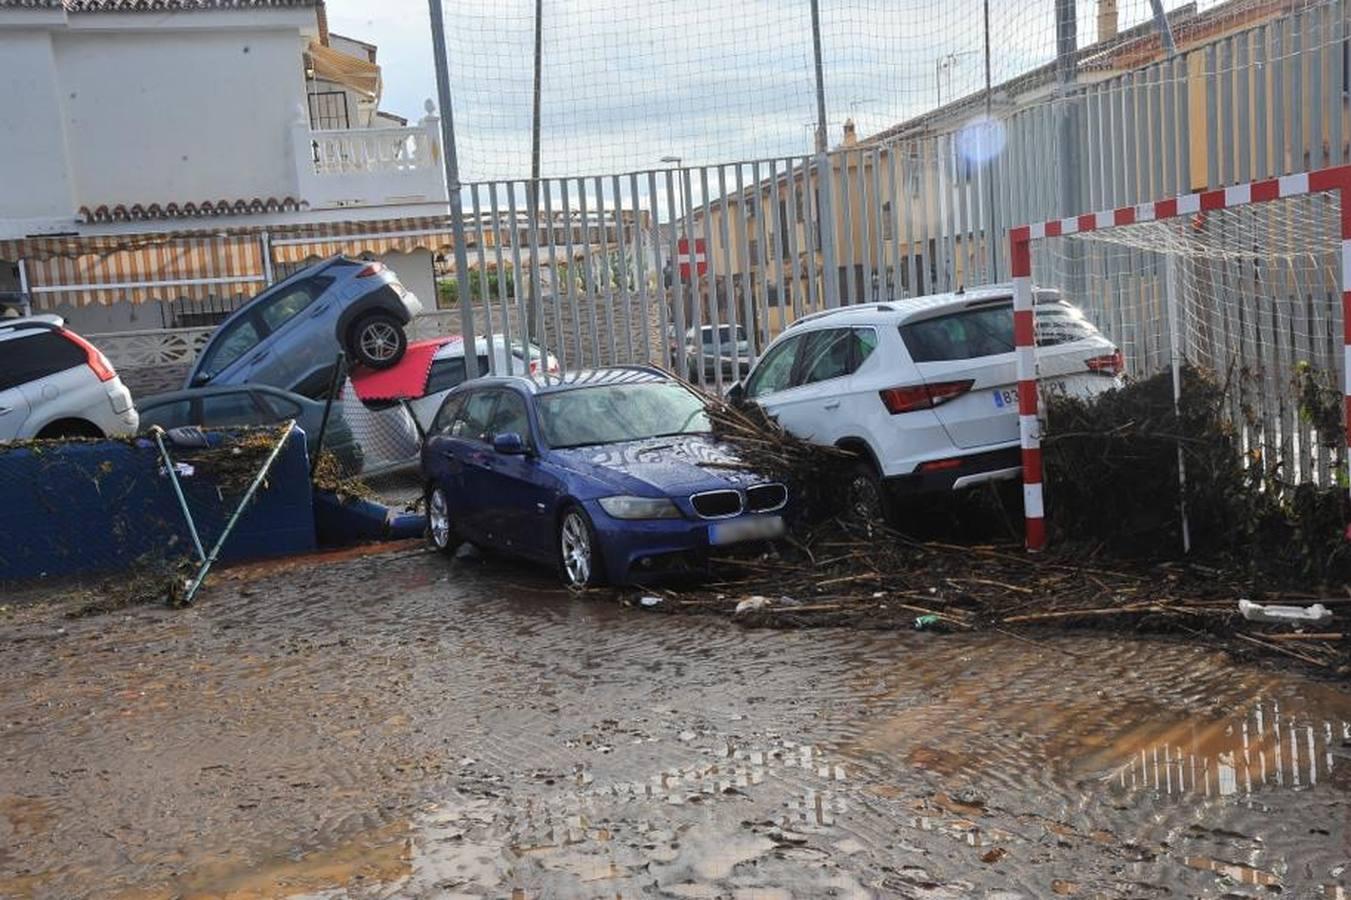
(579, 561)
(440, 529)
(868, 501)
(377, 341)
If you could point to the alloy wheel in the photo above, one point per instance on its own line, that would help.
(379, 341)
(438, 519)
(575, 541)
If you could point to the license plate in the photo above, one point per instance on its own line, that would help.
(1006, 398)
(760, 528)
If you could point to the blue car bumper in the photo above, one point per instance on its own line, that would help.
(634, 550)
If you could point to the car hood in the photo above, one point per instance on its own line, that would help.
(677, 465)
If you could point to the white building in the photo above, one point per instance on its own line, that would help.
(156, 154)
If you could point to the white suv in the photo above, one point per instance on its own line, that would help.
(924, 389)
(55, 384)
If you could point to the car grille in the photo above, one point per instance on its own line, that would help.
(716, 504)
(766, 497)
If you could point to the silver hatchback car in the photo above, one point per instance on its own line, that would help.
(55, 384)
(289, 335)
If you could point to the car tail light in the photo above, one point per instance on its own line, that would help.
(1111, 364)
(923, 396)
(97, 361)
(372, 268)
(940, 465)
(551, 368)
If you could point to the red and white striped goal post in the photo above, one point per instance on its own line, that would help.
(1336, 178)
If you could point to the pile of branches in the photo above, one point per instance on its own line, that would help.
(843, 572)
(1116, 560)
(1113, 486)
(819, 475)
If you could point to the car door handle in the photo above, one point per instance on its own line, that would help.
(832, 404)
(319, 311)
(260, 355)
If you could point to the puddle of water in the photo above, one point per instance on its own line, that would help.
(380, 857)
(1235, 872)
(1265, 749)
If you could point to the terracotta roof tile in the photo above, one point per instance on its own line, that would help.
(138, 212)
(85, 6)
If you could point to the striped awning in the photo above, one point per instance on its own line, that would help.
(199, 265)
(362, 238)
(194, 268)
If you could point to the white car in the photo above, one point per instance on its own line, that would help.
(55, 384)
(448, 369)
(924, 389)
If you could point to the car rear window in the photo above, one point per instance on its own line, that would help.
(988, 331)
(448, 373)
(222, 410)
(42, 353)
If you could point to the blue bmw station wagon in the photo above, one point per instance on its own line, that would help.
(608, 475)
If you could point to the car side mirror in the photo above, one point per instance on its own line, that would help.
(509, 443)
(736, 394)
(201, 378)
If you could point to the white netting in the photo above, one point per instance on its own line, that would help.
(1256, 297)
(625, 84)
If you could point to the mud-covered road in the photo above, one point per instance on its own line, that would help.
(399, 726)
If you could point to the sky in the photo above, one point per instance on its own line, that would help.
(627, 82)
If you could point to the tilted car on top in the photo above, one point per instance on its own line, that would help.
(289, 335)
(608, 475)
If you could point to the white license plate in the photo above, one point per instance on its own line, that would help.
(1007, 398)
(760, 528)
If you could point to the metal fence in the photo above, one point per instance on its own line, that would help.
(636, 267)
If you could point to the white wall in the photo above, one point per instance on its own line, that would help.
(35, 192)
(415, 273)
(165, 116)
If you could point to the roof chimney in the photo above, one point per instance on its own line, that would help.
(321, 13)
(850, 135)
(1108, 20)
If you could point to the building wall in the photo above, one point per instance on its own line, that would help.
(188, 117)
(415, 271)
(33, 143)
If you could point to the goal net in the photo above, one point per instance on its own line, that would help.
(1241, 289)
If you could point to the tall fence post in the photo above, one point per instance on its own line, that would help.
(1029, 425)
(453, 185)
(824, 173)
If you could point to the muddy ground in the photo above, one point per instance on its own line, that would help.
(398, 725)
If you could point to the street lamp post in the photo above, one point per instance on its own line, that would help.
(684, 200)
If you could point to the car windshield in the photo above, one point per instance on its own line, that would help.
(612, 413)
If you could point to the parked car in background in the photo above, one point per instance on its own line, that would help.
(55, 384)
(924, 390)
(448, 369)
(289, 335)
(602, 474)
(708, 349)
(225, 406)
(15, 305)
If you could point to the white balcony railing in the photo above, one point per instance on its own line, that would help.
(359, 166)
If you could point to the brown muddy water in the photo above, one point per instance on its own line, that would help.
(402, 726)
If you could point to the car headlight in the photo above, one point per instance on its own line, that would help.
(640, 508)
